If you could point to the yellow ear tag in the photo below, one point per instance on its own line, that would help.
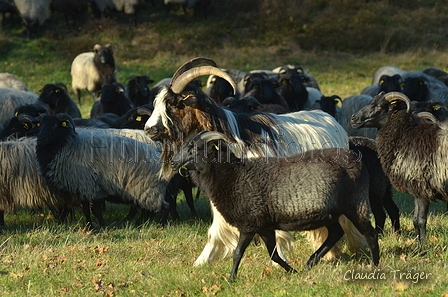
(64, 124)
(393, 102)
(435, 107)
(38, 124)
(138, 119)
(186, 97)
(26, 126)
(216, 147)
(16, 114)
(56, 91)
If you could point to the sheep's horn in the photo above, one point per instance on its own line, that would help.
(391, 96)
(427, 116)
(144, 111)
(188, 76)
(26, 117)
(191, 64)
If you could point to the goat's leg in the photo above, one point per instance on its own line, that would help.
(188, 192)
(243, 242)
(421, 208)
(335, 232)
(268, 237)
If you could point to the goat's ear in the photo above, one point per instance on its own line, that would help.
(189, 100)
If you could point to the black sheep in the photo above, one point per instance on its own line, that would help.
(56, 97)
(416, 162)
(113, 100)
(137, 89)
(301, 192)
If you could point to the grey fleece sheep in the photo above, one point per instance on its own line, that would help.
(91, 70)
(10, 99)
(416, 163)
(130, 7)
(95, 166)
(21, 183)
(33, 13)
(302, 192)
(8, 80)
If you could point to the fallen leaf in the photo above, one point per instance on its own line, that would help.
(97, 284)
(433, 239)
(16, 275)
(403, 257)
(267, 271)
(401, 286)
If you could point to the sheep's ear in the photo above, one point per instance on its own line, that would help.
(189, 100)
(138, 119)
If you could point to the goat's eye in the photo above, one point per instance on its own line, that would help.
(138, 119)
(26, 126)
(436, 107)
(64, 124)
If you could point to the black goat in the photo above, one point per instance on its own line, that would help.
(301, 192)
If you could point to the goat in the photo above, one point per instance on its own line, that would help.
(296, 193)
(182, 110)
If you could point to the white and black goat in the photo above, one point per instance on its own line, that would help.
(412, 151)
(181, 111)
(296, 193)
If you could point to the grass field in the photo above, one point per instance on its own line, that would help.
(341, 43)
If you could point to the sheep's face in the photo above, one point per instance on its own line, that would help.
(112, 92)
(51, 94)
(33, 110)
(55, 129)
(376, 113)
(390, 83)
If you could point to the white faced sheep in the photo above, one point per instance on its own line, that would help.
(297, 193)
(416, 162)
(182, 110)
(94, 166)
(91, 70)
(56, 97)
(8, 80)
(33, 13)
(10, 99)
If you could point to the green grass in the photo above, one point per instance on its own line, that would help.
(341, 43)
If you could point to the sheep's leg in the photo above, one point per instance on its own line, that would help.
(421, 208)
(268, 237)
(378, 214)
(335, 232)
(392, 210)
(98, 212)
(243, 242)
(86, 211)
(2, 218)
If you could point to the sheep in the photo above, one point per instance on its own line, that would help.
(103, 121)
(94, 166)
(137, 89)
(296, 193)
(351, 105)
(416, 163)
(21, 183)
(386, 70)
(436, 108)
(308, 80)
(181, 110)
(7, 6)
(380, 189)
(70, 8)
(196, 5)
(113, 100)
(56, 97)
(34, 110)
(130, 7)
(33, 13)
(134, 118)
(386, 84)
(20, 126)
(329, 104)
(8, 80)
(264, 90)
(90, 70)
(437, 74)
(250, 104)
(10, 99)
(219, 89)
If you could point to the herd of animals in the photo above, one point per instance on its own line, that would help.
(271, 152)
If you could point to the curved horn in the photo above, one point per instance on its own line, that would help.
(211, 135)
(144, 111)
(191, 64)
(427, 116)
(391, 96)
(188, 76)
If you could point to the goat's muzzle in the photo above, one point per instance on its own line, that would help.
(154, 132)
